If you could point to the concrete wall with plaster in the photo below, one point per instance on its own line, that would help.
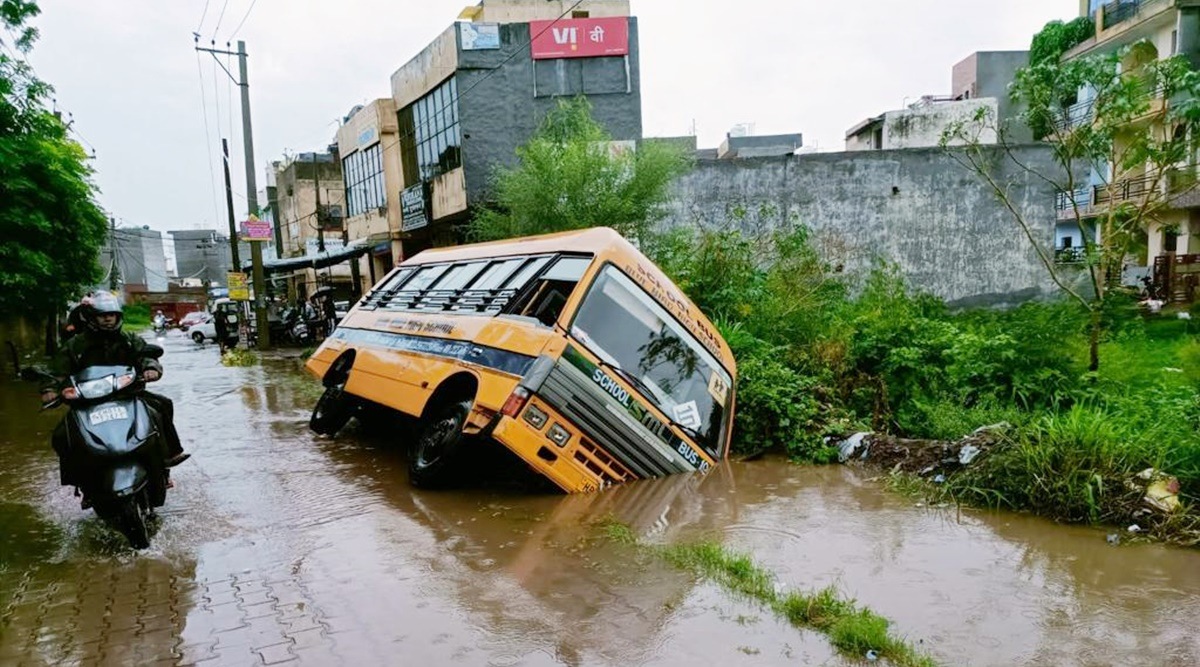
(918, 208)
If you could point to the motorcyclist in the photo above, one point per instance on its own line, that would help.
(74, 324)
(160, 320)
(102, 343)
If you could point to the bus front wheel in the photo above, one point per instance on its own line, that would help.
(431, 460)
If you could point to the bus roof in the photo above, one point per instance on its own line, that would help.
(604, 242)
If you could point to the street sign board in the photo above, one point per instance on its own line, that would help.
(256, 230)
(412, 208)
(239, 290)
(580, 38)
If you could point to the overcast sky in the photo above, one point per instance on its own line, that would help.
(127, 71)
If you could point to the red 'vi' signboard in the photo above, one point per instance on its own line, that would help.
(580, 38)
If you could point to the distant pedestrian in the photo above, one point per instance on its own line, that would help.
(329, 311)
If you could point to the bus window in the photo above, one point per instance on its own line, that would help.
(522, 277)
(544, 300)
(497, 273)
(425, 277)
(460, 275)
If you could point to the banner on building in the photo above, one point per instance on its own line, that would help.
(239, 289)
(580, 38)
(412, 208)
(256, 230)
(479, 36)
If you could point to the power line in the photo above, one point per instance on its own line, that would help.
(202, 15)
(222, 16)
(243, 21)
(212, 179)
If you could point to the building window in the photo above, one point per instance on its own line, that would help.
(431, 140)
(363, 172)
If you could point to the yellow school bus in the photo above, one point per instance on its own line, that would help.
(572, 350)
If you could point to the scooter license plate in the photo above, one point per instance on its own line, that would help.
(107, 413)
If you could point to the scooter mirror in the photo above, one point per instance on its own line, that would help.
(153, 350)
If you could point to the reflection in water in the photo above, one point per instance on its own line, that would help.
(318, 544)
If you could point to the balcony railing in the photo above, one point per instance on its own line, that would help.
(1089, 199)
(1121, 11)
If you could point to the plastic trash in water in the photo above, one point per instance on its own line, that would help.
(939, 479)
(1134, 528)
(872, 655)
(968, 454)
(1113, 538)
(848, 447)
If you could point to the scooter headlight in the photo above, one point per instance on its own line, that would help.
(98, 388)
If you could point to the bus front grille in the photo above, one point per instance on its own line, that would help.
(601, 464)
(578, 399)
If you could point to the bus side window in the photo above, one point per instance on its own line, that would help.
(545, 299)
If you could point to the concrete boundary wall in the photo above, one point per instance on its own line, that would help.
(917, 208)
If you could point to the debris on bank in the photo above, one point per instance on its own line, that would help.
(934, 459)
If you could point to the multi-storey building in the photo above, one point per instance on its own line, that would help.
(309, 208)
(1155, 29)
(978, 82)
(369, 148)
(140, 263)
(204, 256)
(481, 88)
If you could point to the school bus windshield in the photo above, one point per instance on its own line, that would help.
(637, 338)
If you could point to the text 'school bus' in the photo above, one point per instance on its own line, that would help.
(573, 350)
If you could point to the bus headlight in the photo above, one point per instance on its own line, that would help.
(558, 435)
(536, 417)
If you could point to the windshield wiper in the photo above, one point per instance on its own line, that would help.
(646, 389)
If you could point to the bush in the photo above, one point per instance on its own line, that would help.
(777, 407)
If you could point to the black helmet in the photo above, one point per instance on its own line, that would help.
(104, 303)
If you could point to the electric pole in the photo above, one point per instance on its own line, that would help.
(233, 235)
(320, 218)
(114, 271)
(256, 254)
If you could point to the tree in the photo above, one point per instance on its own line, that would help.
(572, 176)
(1123, 129)
(53, 228)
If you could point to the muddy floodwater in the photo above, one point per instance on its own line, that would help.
(281, 547)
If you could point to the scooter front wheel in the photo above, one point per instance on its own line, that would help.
(129, 517)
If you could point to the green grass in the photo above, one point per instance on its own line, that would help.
(136, 317)
(852, 629)
(239, 356)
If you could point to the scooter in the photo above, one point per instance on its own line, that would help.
(116, 444)
(160, 325)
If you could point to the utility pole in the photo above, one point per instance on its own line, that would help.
(233, 235)
(256, 254)
(114, 271)
(320, 218)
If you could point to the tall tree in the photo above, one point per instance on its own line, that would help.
(52, 226)
(1123, 128)
(572, 176)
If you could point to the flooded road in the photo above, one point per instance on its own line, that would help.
(278, 547)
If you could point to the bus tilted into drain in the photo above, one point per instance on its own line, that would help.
(572, 350)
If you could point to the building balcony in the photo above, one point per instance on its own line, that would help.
(1091, 201)
(1123, 22)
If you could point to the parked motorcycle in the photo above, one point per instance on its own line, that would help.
(293, 329)
(117, 445)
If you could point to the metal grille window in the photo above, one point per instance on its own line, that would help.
(363, 173)
(437, 138)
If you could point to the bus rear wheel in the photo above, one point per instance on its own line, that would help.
(431, 459)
